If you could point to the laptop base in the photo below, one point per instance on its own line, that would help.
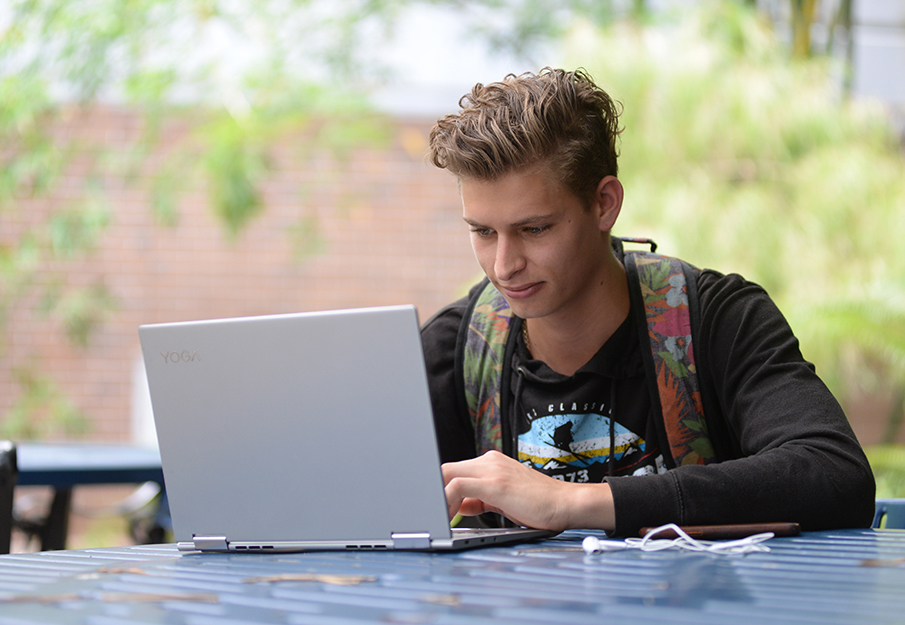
(465, 538)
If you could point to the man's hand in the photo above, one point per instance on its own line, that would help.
(495, 482)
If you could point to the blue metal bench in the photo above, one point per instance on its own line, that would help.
(890, 514)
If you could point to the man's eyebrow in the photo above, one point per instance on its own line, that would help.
(527, 221)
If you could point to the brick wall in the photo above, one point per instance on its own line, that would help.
(391, 233)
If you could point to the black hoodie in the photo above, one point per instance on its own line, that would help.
(786, 449)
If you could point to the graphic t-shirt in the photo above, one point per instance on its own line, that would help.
(595, 423)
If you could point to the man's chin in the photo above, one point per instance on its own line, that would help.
(523, 309)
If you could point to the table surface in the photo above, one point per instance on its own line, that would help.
(850, 576)
(64, 465)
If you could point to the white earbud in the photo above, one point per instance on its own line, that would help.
(592, 544)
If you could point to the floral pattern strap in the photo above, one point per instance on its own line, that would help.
(664, 292)
(485, 346)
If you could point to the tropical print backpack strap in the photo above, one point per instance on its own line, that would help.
(664, 292)
(483, 338)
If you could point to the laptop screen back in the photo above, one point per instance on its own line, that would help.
(311, 426)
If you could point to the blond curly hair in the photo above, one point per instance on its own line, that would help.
(557, 119)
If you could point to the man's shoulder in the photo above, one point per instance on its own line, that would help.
(715, 287)
(441, 330)
(451, 313)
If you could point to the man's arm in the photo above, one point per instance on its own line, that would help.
(793, 455)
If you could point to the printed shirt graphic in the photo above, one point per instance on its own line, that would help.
(562, 423)
(576, 448)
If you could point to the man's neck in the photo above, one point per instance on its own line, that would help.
(566, 342)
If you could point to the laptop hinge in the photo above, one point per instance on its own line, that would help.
(411, 540)
(210, 543)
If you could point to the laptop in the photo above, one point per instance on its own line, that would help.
(308, 431)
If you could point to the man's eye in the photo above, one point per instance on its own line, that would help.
(536, 229)
(482, 232)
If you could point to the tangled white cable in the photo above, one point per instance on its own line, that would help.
(749, 544)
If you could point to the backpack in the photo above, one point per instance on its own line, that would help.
(663, 293)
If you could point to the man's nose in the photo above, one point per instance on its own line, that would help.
(510, 258)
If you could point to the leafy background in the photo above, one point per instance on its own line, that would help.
(742, 150)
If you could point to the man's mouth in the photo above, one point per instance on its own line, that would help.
(520, 292)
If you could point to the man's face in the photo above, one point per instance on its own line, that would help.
(536, 241)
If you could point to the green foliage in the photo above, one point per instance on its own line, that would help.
(29, 162)
(734, 157)
(76, 231)
(151, 54)
(305, 237)
(59, 59)
(888, 464)
(81, 310)
(41, 411)
(233, 166)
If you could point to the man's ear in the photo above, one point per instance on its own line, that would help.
(608, 202)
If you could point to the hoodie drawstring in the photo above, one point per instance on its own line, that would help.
(611, 464)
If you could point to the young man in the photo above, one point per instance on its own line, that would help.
(580, 437)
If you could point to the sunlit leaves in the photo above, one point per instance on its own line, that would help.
(75, 231)
(736, 158)
(41, 411)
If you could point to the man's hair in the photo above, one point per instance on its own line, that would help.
(557, 119)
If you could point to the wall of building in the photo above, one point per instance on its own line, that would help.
(390, 228)
(878, 54)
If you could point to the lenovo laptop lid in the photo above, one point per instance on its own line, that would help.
(301, 432)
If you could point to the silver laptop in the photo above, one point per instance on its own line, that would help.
(309, 431)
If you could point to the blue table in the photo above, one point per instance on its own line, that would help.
(63, 466)
(840, 577)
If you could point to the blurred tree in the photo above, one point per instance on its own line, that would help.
(243, 75)
(735, 158)
(235, 75)
(803, 14)
(834, 16)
